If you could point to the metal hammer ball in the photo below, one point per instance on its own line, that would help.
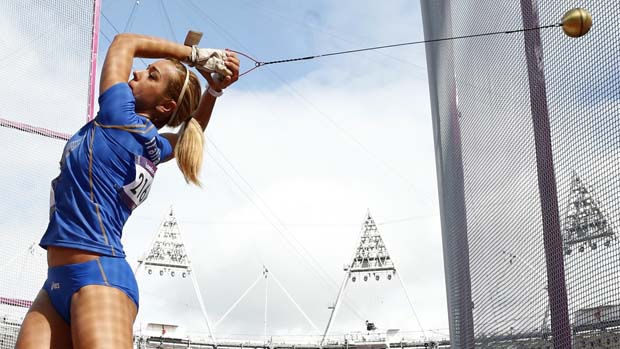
(576, 22)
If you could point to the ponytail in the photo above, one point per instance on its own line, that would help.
(189, 147)
(188, 150)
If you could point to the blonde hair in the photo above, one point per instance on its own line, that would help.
(189, 147)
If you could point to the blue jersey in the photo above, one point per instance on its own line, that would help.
(106, 171)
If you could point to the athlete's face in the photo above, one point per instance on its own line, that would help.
(149, 87)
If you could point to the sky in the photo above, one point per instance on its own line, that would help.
(296, 155)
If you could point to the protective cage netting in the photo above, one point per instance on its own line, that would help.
(45, 51)
(527, 147)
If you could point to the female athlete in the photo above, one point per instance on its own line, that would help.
(90, 297)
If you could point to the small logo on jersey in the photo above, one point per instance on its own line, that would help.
(152, 151)
(150, 167)
(55, 286)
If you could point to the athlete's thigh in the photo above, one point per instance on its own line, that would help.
(102, 317)
(43, 327)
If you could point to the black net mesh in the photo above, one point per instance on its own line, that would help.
(526, 137)
(45, 55)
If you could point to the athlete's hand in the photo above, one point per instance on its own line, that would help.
(209, 60)
(220, 82)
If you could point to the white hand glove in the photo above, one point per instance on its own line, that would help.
(209, 60)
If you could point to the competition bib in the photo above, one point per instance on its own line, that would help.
(134, 193)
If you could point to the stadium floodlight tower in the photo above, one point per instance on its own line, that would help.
(371, 257)
(590, 260)
(371, 260)
(584, 225)
(167, 256)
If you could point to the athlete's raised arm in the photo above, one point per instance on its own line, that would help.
(125, 47)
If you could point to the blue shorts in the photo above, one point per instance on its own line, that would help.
(64, 280)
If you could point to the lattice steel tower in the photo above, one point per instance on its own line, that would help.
(370, 260)
(371, 256)
(591, 261)
(167, 256)
(585, 225)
